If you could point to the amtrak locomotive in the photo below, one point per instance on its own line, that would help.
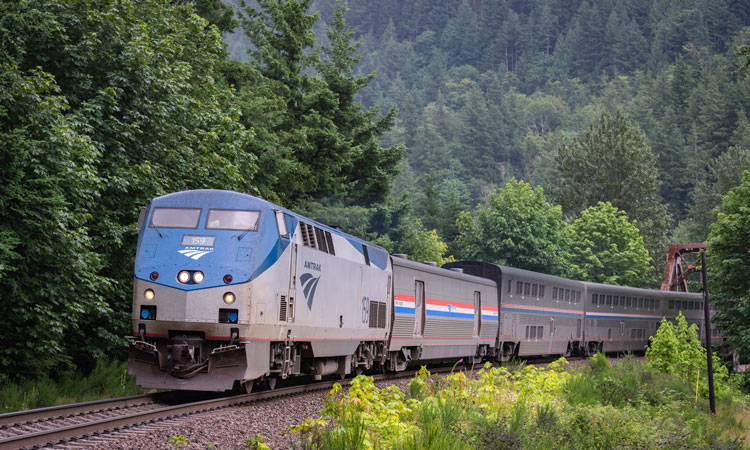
(232, 291)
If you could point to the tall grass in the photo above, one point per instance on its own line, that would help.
(629, 383)
(107, 380)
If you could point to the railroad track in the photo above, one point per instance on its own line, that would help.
(62, 424)
(35, 427)
(55, 425)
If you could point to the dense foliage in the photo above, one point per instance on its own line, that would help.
(676, 350)
(487, 91)
(314, 139)
(629, 405)
(611, 162)
(105, 105)
(729, 265)
(108, 379)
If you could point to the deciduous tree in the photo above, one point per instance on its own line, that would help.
(121, 105)
(518, 228)
(606, 248)
(49, 272)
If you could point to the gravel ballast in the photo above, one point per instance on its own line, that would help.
(223, 429)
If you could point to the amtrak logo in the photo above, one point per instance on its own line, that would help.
(196, 252)
(309, 284)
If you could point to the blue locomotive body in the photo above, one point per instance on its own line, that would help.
(217, 276)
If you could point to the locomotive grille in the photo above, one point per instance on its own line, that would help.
(316, 238)
(282, 308)
(329, 241)
(320, 237)
(307, 238)
(377, 314)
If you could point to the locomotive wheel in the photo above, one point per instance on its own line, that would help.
(271, 383)
(247, 386)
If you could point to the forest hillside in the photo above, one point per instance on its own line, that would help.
(490, 90)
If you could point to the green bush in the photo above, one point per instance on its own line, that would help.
(676, 350)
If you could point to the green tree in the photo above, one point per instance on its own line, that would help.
(744, 52)
(389, 224)
(422, 245)
(460, 36)
(612, 162)
(724, 173)
(48, 269)
(314, 139)
(429, 205)
(277, 93)
(728, 264)
(138, 77)
(606, 248)
(517, 228)
(215, 12)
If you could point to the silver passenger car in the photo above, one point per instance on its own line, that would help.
(539, 314)
(620, 318)
(440, 314)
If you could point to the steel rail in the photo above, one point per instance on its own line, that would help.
(54, 412)
(61, 434)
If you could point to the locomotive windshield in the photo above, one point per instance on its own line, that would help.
(175, 218)
(230, 219)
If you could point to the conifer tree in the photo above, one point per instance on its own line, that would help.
(319, 142)
(372, 167)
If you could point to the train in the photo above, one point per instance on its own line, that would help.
(232, 292)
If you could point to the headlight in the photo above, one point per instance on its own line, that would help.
(148, 294)
(183, 277)
(197, 277)
(229, 298)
